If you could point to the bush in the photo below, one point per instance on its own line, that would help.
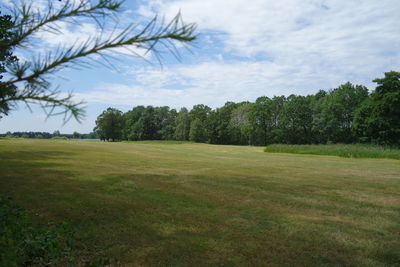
(341, 150)
(23, 243)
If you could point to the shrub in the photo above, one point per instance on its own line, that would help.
(23, 243)
(341, 150)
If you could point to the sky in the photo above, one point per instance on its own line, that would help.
(244, 50)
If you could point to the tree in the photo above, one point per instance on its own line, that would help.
(165, 119)
(109, 125)
(220, 126)
(240, 121)
(336, 112)
(197, 131)
(76, 135)
(131, 128)
(182, 122)
(263, 116)
(378, 118)
(295, 120)
(200, 112)
(6, 58)
(345, 114)
(29, 81)
(316, 101)
(148, 123)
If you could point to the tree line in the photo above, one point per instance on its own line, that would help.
(47, 135)
(346, 114)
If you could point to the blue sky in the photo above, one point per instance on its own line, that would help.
(244, 50)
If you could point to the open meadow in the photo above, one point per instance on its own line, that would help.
(181, 204)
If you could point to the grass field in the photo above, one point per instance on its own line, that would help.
(341, 150)
(195, 204)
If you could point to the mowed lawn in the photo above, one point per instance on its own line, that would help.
(154, 203)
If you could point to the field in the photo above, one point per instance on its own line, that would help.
(186, 204)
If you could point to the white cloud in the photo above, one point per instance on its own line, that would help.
(68, 34)
(211, 83)
(279, 27)
(289, 47)
(247, 49)
(342, 36)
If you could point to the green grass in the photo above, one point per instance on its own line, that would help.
(341, 150)
(197, 204)
(161, 142)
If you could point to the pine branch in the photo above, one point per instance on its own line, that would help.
(32, 75)
(143, 39)
(28, 22)
(51, 101)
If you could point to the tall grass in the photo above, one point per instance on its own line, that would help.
(159, 142)
(341, 150)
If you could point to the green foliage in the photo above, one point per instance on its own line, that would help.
(347, 114)
(197, 131)
(264, 116)
(182, 123)
(149, 123)
(23, 243)
(46, 135)
(295, 120)
(335, 112)
(165, 121)
(6, 58)
(198, 121)
(109, 125)
(39, 136)
(341, 150)
(221, 128)
(131, 130)
(200, 112)
(240, 124)
(378, 118)
(76, 135)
